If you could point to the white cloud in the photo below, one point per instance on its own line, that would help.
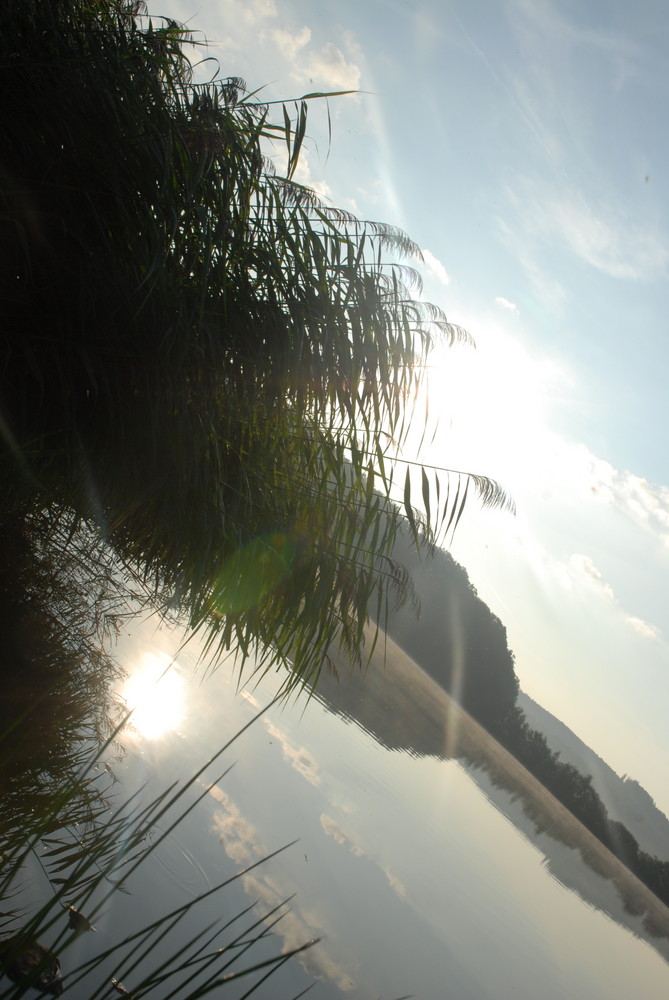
(585, 571)
(252, 700)
(328, 69)
(645, 503)
(304, 175)
(435, 268)
(643, 628)
(258, 10)
(242, 13)
(507, 305)
(242, 845)
(602, 236)
(289, 45)
(597, 230)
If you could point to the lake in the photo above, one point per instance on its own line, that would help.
(423, 872)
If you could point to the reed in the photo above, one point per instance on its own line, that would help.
(90, 856)
(199, 359)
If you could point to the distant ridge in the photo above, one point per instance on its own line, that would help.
(405, 709)
(624, 798)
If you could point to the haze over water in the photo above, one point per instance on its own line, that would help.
(413, 878)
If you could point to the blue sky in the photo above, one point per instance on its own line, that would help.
(523, 145)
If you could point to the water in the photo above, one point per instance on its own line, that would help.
(420, 875)
(413, 878)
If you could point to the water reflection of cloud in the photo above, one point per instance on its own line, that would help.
(252, 700)
(243, 845)
(332, 829)
(395, 883)
(236, 833)
(297, 927)
(299, 758)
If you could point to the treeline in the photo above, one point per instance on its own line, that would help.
(454, 637)
(462, 645)
(575, 791)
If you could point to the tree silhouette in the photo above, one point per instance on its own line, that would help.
(198, 358)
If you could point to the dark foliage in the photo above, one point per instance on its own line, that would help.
(455, 637)
(575, 791)
(56, 604)
(194, 352)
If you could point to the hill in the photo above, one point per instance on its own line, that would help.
(454, 635)
(624, 798)
(404, 709)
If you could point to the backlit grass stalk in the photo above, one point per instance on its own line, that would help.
(87, 867)
(198, 354)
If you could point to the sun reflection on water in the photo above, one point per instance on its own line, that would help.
(156, 693)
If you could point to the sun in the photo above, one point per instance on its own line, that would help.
(155, 691)
(490, 407)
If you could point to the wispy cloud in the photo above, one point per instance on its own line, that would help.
(542, 218)
(549, 291)
(603, 235)
(329, 69)
(569, 198)
(556, 54)
(546, 26)
(584, 571)
(506, 305)
(289, 44)
(643, 628)
(435, 268)
(644, 503)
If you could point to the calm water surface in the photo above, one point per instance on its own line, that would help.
(418, 876)
(415, 882)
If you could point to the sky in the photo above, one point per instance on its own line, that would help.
(522, 144)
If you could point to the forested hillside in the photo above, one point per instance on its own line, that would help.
(456, 639)
(454, 636)
(624, 798)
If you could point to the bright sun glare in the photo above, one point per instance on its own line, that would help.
(156, 692)
(492, 406)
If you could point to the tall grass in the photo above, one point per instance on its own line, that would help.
(68, 837)
(198, 357)
(88, 858)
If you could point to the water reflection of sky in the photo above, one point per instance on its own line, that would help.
(522, 145)
(413, 880)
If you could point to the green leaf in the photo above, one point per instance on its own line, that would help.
(408, 509)
(426, 494)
